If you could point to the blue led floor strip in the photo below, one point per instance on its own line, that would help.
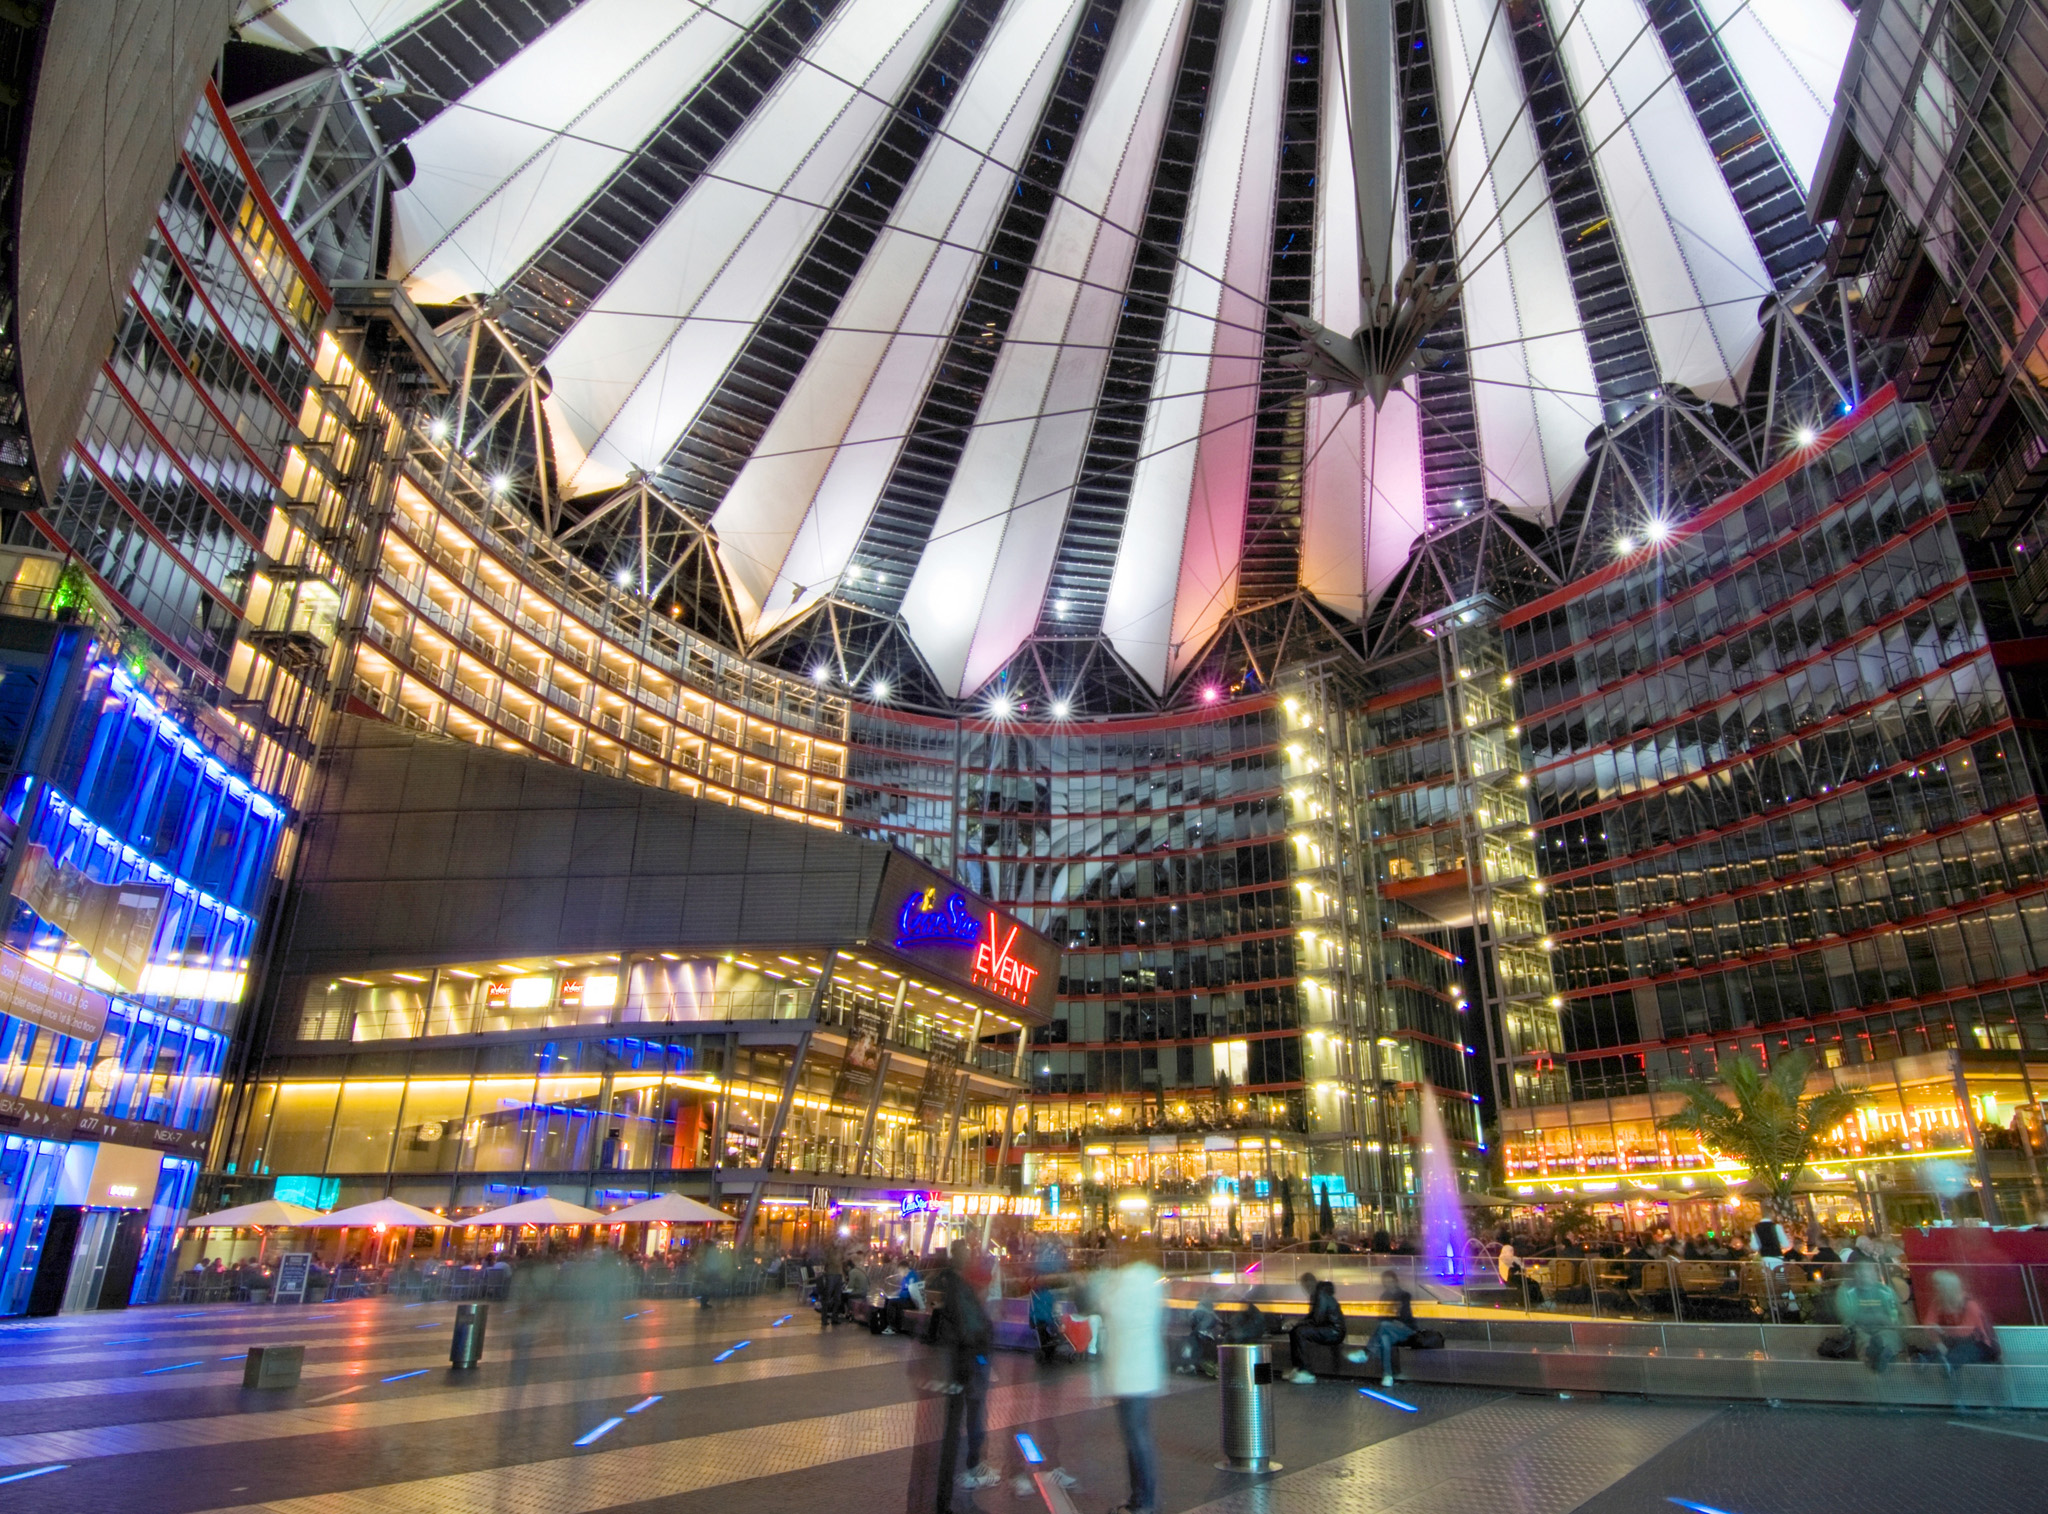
(634, 1315)
(175, 1367)
(602, 1430)
(1697, 1508)
(1387, 1398)
(38, 1472)
(783, 1321)
(242, 1358)
(402, 1376)
(1028, 1448)
(729, 1350)
(646, 1403)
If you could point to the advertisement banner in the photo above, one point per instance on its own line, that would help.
(863, 1056)
(30, 991)
(940, 1073)
(114, 922)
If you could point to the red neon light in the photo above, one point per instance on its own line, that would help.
(996, 970)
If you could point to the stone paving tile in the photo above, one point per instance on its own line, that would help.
(599, 1479)
(1809, 1460)
(833, 1423)
(116, 1370)
(432, 1402)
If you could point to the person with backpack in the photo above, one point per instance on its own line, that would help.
(1394, 1331)
(1045, 1321)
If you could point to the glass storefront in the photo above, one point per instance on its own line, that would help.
(137, 867)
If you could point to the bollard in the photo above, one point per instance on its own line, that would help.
(466, 1349)
(273, 1366)
(1245, 1373)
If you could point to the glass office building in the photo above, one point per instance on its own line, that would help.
(1784, 799)
(1200, 873)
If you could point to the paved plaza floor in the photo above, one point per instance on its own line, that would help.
(647, 1406)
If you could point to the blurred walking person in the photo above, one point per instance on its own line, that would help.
(1130, 1303)
(961, 1329)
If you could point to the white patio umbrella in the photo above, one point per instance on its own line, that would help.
(540, 1211)
(668, 1209)
(265, 1214)
(386, 1212)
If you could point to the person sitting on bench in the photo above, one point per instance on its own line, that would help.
(1392, 1332)
(1324, 1326)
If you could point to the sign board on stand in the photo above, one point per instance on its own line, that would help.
(294, 1270)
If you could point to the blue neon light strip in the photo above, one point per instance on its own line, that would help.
(1697, 1508)
(38, 1472)
(602, 1430)
(783, 1321)
(1028, 1448)
(402, 1376)
(646, 1403)
(175, 1367)
(1391, 1400)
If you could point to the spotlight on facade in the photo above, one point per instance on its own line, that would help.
(881, 691)
(1210, 693)
(1657, 529)
(437, 428)
(1062, 708)
(821, 675)
(500, 482)
(1806, 436)
(1623, 545)
(1002, 706)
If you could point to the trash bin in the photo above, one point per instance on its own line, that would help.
(1245, 1373)
(467, 1347)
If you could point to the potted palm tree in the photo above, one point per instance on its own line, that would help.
(1765, 1121)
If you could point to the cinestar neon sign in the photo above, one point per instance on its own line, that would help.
(999, 972)
(924, 921)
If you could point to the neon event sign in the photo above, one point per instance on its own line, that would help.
(999, 972)
(925, 921)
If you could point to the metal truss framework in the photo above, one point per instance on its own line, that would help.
(1664, 458)
(315, 145)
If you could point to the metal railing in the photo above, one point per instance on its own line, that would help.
(1733, 1291)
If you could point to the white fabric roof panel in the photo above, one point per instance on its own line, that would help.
(999, 530)
(632, 372)
(1361, 496)
(353, 26)
(1532, 376)
(499, 173)
(1697, 274)
(1789, 53)
(501, 170)
(915, 280)
(1178, 560)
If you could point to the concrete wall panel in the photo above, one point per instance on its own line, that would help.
(114, 93)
